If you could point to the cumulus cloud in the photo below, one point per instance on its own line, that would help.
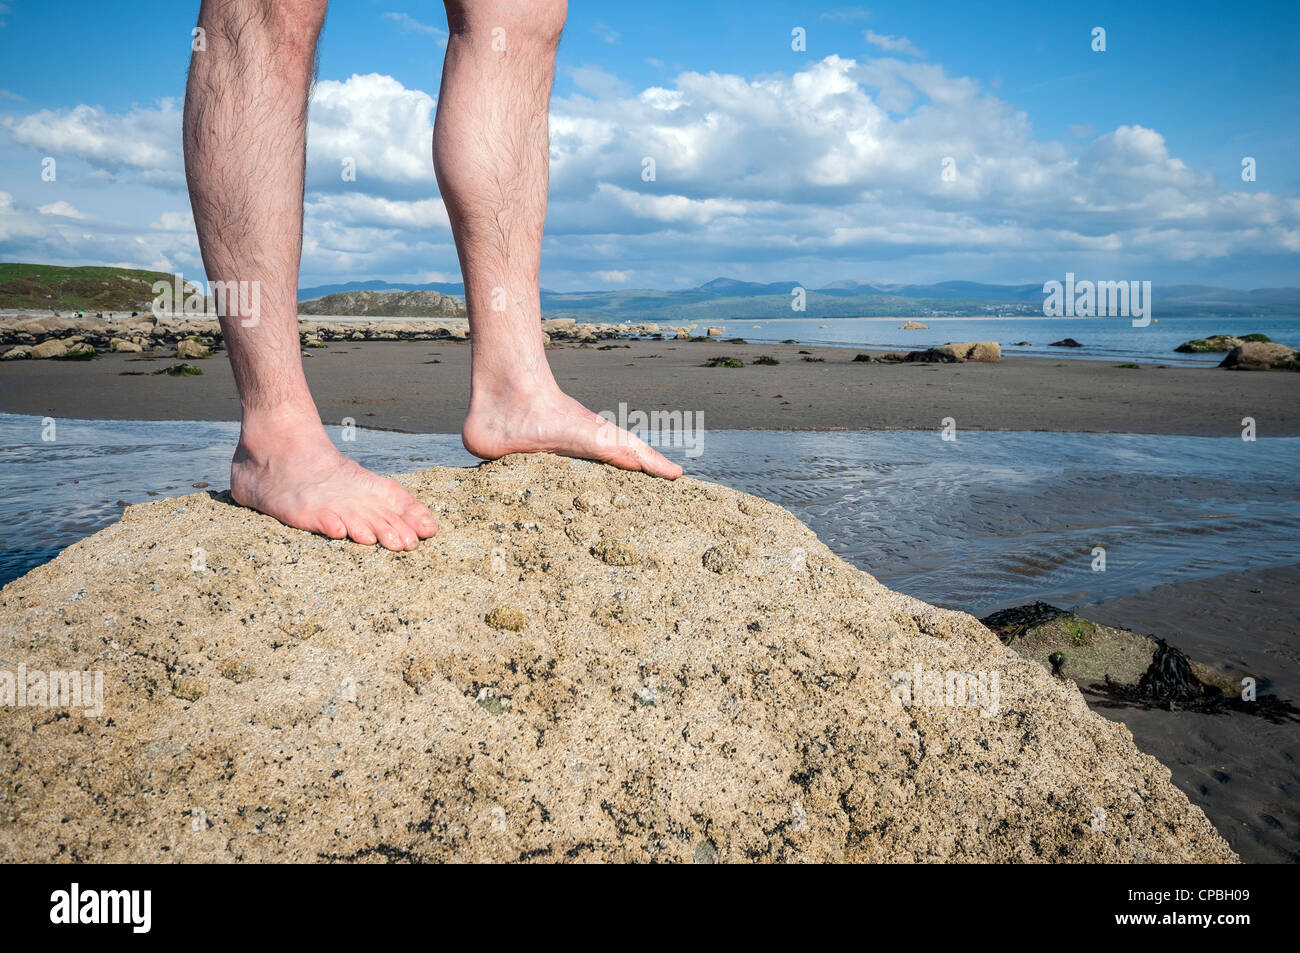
(145, 140)
(826, 172)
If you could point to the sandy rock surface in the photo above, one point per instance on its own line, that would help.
(584, 664)
(1261, 356)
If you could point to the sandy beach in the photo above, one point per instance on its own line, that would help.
(422, 387)
(1242, 771)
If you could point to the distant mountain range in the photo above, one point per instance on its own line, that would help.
(727, 298)
(90, 288)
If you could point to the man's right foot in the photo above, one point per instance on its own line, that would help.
(295, 473)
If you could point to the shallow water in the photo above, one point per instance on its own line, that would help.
(1110, 339)
(992, 519)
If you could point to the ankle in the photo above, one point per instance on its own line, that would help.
(270, 432)
(517, 385)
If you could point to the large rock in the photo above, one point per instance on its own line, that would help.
(190, 350)
(989, 352)
(17, 353)
(1216, 343)
(49, 349)
(1260, 356)
(584, 664)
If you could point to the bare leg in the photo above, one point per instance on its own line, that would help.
(245, 151)
(491, 151)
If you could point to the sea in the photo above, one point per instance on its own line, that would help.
(991, 519)
(1101, 339)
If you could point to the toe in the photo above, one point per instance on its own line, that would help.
(392, 534)
(417, 516)
(331, 524)
(649, 460)
(361, 530)
(412, 512)
(656, 464)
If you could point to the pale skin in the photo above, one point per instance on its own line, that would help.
(245, 153)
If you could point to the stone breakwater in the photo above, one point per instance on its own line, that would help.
(23, 334)
(583, 665)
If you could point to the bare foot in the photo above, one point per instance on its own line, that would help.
(550, 421)
(293, 472)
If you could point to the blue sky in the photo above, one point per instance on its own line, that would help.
(772, 164)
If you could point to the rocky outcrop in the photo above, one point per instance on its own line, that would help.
(913, 326)
(1065, 342)
(985, 352)
(389, 304)
(584, 664)
(1217, 343)
(1259, 356)
(150, 332)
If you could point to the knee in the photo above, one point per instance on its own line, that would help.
(533, 20)
(296, 20)
(285, 22)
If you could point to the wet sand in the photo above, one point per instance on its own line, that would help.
(1242, 771)
(422, 387)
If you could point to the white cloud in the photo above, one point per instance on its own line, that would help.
(670, 208)
(375, 121)
(61, 209)
(891, 44)
(835, 170)
(357, 208)
(144, 140)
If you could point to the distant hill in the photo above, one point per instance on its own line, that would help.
(396, 304)
(80, 288)
(322, 291)
(731, 299)
(123, 289)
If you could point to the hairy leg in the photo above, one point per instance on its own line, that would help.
(491, 152)
(245, 151)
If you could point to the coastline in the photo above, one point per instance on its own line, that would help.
(422, 386)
